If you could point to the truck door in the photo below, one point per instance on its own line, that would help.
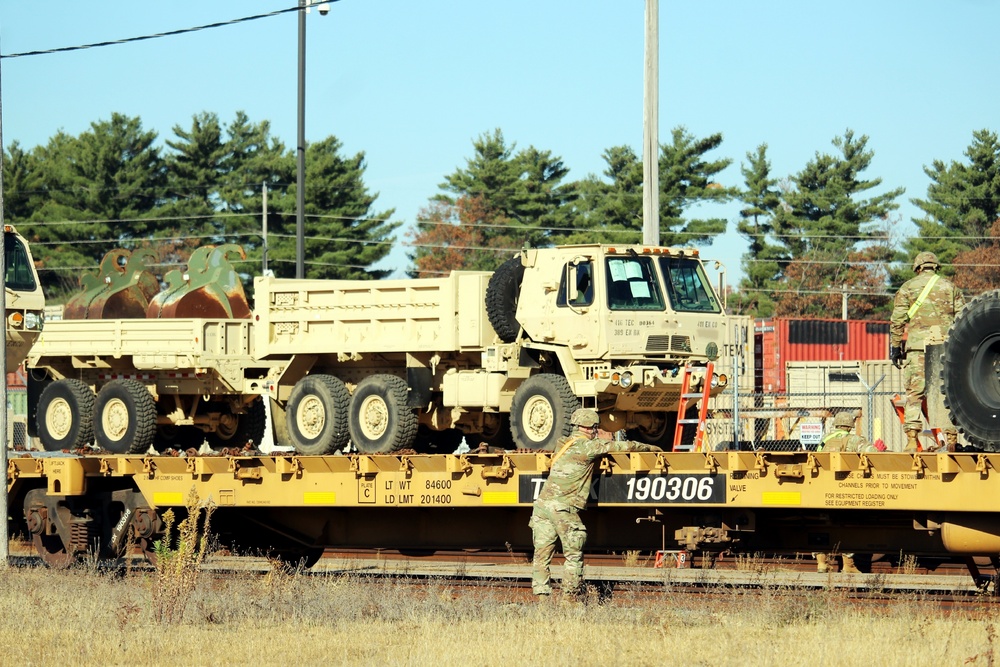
(576, 315)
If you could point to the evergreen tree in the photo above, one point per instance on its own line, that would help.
(344, 236)
(519, 197)
(107, 181)
(687, 179)
(824, 221)
(962, 205)
(760, 264)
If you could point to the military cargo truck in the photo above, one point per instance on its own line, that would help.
(24, 300)
(501, 357)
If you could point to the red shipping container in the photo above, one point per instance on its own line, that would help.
(778, 340)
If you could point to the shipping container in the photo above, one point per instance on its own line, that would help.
(779, 340)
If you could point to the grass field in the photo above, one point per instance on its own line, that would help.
(84, 617)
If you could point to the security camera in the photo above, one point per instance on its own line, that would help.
(323, 8)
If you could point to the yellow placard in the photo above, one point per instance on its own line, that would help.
(781, 498)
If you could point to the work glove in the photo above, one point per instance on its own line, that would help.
(896, 356)
(879, 445)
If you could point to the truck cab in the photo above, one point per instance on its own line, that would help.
(24, 300)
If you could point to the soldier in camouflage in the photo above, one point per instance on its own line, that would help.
(564, 494)
(924, 309)
(841, 438)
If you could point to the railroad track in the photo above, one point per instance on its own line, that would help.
(942, 583)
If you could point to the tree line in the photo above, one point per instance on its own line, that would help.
(812, 235)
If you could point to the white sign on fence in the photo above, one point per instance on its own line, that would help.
(810, 433)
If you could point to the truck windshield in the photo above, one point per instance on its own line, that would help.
(632, 284)
(687, 286)
(19, 275)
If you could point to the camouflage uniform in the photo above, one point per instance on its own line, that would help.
(556, 513)
(927, 326)
(841, 440)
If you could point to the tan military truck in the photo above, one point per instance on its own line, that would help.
(498, 357)
(24, 300)
(501, 357)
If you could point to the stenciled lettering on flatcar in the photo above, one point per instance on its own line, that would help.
(641, 488)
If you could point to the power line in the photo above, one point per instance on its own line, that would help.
(129, 40)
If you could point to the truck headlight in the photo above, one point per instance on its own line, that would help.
(32, 321)
(626, 380)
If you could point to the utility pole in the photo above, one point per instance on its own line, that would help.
(300, 152)
(4, 528)
(650, 135)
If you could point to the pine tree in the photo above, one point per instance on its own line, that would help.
(761, 263)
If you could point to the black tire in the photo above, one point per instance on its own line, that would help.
(501, 299)
(124, 417)
(381, 419)
(496, 432)
(237, 429)
(316, 415)
(661, 434)
(970, 373)
(65, 415)
(540, 411)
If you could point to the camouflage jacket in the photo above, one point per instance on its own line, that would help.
(931, 321)
(845, 441)
(568, 483)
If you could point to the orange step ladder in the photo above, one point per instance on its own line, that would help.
(899, 404)
(686, 398)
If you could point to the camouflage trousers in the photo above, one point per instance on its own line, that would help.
(915, 384)
(550, 522)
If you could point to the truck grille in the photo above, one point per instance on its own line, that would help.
(662, 343)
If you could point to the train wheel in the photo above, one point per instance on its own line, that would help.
(66, 415)
(316, 416)
(381, 419)
(125, 417)
(971, 371)
(237, 429)
(540, 411)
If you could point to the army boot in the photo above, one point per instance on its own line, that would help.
(951, 442)
(911, 440)
(849, 566)
(821, 565)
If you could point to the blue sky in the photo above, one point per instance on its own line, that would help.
(411, 84)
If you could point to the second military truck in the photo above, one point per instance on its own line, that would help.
(502, 358)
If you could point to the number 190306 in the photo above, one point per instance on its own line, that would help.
(670, 488)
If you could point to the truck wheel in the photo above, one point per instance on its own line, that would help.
(970, 374)
(65, 415)
(540, 411)
(236, 430)
(381, 418)
(501, 299)
(661, 433)
(124, 417)
(316, 416)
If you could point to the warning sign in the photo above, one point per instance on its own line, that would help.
(810, 433)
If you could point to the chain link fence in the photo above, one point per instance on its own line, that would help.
(744, 418)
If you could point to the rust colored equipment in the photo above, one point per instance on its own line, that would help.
(121, 289)
(210, 288)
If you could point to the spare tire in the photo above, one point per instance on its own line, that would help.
(501, 299)
(971, 373)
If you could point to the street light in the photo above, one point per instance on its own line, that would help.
(300, 149)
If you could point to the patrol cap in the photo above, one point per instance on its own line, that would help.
(925, 258)
(844, 420)
(584, 417)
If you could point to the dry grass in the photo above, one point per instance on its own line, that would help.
(83, 617)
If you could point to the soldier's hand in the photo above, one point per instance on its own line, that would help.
(896, 356)
(654, 448)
